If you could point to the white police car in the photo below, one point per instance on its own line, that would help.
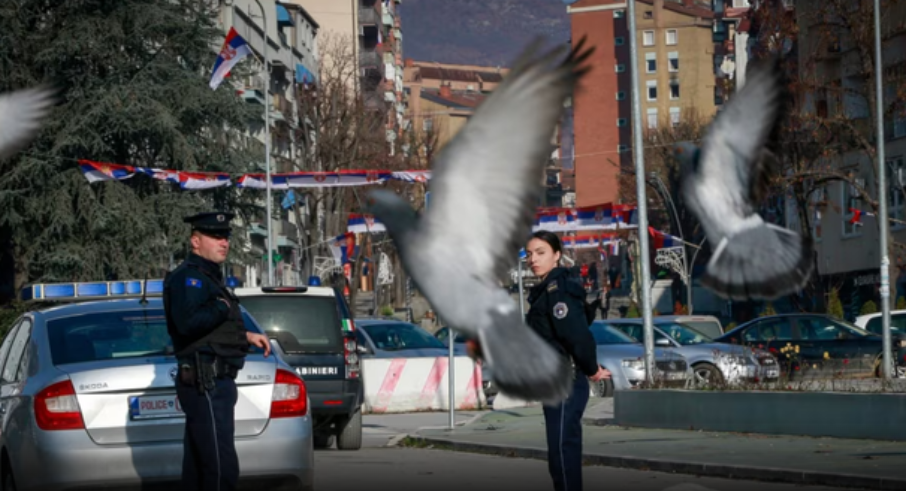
(87, 397)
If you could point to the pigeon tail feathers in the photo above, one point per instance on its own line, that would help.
(524, 365)
(760, 262)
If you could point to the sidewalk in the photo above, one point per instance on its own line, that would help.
(863, 464)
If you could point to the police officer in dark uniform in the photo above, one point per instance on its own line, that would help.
(560, 315)
(210, 342)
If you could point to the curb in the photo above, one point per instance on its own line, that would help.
(752, 473)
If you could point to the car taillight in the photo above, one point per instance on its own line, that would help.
(56, 408)
(290, 398)
(353, 367)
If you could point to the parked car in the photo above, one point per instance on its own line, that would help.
(624, 356)
(822, 346)
(872, 323)
(391, 338)
(706, 324)
(88, 398)
(712, 363)
(312, 329)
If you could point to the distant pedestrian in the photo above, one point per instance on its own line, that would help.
(558, 315)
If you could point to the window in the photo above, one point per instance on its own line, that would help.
(619, 14)
(769, 330)
(650, 62)
(622, 148)
(648, 14)
(621, 122)
(621, 95)
(648, 38)
(652, 90)
(674, 90)
(620, 68)
(850, 199)
(618, 41)
(673, 61)
(427, 124)
(652, 118)
(395, 336)
(895, 208)
(670, 37)
(17, 351)
(674, 116)
(740, 3)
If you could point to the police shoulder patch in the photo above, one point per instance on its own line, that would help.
(193, 282)
(560, 310)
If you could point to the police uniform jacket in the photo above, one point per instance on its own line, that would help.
(197, 318)
(558, 315)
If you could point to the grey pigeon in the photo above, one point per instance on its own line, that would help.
(21, 113)
(723, 181)
(485, 187)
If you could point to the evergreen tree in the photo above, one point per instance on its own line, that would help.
(834, 306)
(869, 307)
(133, 79)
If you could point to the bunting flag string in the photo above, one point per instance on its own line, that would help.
(98, 171)
(599, 217)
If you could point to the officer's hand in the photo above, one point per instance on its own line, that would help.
(259, 340)
(602, 374)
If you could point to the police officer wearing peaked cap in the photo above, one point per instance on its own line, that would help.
(210, 342)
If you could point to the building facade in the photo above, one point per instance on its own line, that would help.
(292, 59)
(675, 41)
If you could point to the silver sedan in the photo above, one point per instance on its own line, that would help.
(625, 358)
(713, 363)
(89, 401)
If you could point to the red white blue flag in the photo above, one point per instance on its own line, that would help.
(234, 49)
(363, 224)
(99, 171)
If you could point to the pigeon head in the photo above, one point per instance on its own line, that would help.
(686, 154)
(393, 211)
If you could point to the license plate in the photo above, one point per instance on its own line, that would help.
(773, 373)
(153, 407)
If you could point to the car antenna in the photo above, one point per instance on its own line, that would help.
(144, 300)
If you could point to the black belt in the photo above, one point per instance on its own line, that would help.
(201, 369)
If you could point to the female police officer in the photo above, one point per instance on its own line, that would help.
(558, 315)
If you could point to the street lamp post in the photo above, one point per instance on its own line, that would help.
(642, 202)
(882, 199)
(267, 150)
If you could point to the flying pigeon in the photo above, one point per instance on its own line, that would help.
(21, 113)
(723, 181)
(485, 187)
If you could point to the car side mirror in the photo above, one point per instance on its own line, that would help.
(662, 342)
(362, 349)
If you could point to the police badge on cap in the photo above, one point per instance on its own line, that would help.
(215, 223)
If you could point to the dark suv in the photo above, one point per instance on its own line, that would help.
(312, 329)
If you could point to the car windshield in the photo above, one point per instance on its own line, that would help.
(683, 334)
(113, 335)
(605, 334)
(300, 323)
(393, 336)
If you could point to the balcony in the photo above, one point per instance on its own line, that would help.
(282, 109)
(369, 58)
(368, 15)
(387, 18)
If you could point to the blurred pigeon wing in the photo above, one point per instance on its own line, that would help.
(487, 181)
(737, 136)
(21, 113)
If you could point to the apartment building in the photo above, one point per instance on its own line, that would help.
(829, 59)
(676, 77)
(292, 58)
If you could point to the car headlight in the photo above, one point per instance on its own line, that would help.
(634, 363)
(902, 343)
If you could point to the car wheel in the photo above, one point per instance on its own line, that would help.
(706, 374)
(350, 437)
(602, 388)
(322, 440)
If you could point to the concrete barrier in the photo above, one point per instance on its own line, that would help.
(403, 385)
(503, 401)
(818, 414)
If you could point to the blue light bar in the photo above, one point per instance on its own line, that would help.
(91, 290)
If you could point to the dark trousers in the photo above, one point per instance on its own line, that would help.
(564, 437)
(209, 459)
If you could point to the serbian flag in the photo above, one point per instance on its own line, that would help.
(411, 175)
(203, 180)
(234, 49)
(361, 224)
(660, 240)
(857, 216)
(98, 171)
